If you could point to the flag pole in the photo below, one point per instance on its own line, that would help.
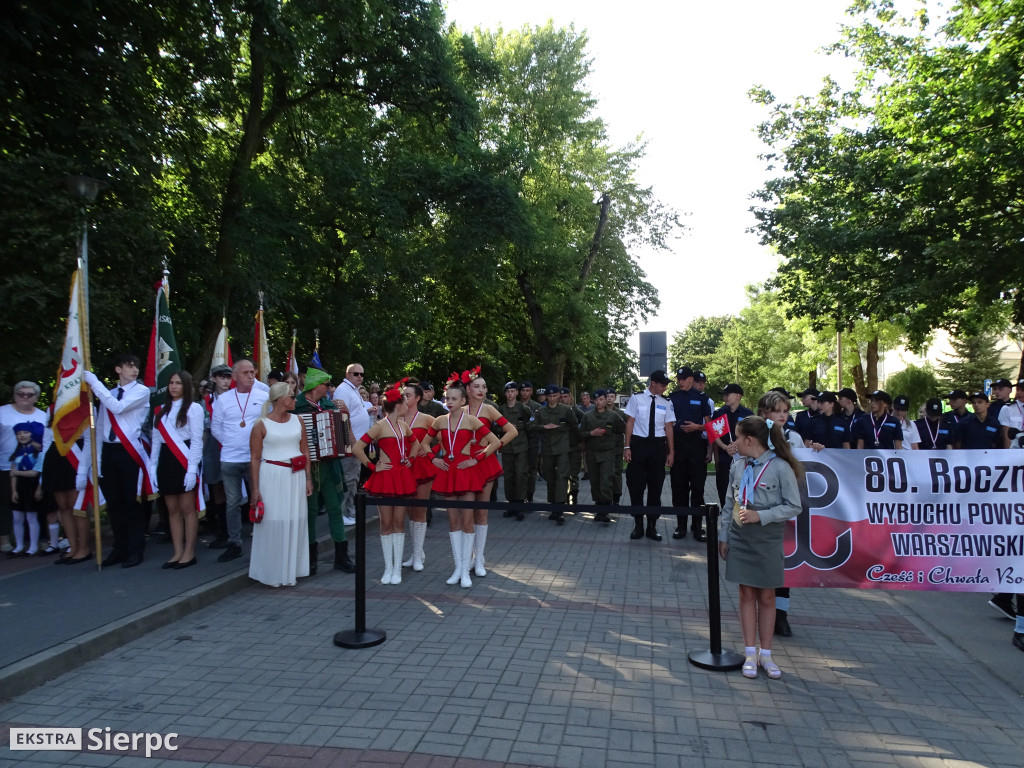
(83, 312)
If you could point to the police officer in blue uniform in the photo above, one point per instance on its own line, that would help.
(977, 431)
(735, 412)
(804, 421)
(879, 429)
(828, 429)
(690, 470)
(958, 404)
(933, 430)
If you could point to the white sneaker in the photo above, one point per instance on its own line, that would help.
(348, 520)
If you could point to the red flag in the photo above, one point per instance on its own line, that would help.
(717, 428)
(70, 397)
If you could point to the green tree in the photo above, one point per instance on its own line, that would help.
(918, 384)
(695, 346)
(976, 358)
(569, 283)
(764, 348)
(885, 192)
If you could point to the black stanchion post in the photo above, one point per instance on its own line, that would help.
(360, 637)
(714, 658)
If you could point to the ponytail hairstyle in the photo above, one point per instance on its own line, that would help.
(772, 439)
(277, 391)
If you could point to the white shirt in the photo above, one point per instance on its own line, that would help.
(192, 431)
(1012, 415)
(230, 411)
(358, 417)
(9, 416)
(131, 411)
(910, 434)
(639, 407)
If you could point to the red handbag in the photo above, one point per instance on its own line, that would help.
(298, 462)
(256, 512)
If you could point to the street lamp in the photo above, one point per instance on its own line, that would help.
(87, 190)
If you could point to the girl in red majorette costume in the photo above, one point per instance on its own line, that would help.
(423, 470)
(462, 447)
(391, 475)
(491, 470)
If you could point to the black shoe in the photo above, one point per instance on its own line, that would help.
(231, 552)
(342, 562)
(678, 533)
(77, 560)
(782, 628)
(1004, 604)
(700, 536)
(131, 562)
(183, 564)
(638, 533)
(219, 543)
(169, 565)
(519, 514)
(652, 534)
(113, 559)
(1018, 641)
(560, 520)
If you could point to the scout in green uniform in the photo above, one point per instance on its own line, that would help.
(515, 459)
(599, 430)
(533, 445)
(612, 401)
(328, 481)
(576, 449)
(557, 426)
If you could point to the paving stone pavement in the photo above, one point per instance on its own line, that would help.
(571, 653)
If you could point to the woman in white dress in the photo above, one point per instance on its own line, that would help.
(281, 481)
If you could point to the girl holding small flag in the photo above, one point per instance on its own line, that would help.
(763, 493)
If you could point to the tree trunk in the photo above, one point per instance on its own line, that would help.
(872, 372)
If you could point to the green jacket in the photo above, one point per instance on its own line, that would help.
(520, 417)
(560, 440)
(613, 425)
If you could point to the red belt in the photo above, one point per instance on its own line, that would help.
(279, 463)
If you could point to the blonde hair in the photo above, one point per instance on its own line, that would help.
(277, 391)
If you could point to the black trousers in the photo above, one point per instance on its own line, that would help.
(646, 472)
(722, 482)
(128, 517)
(689, 472)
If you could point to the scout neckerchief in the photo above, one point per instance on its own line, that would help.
(748, 482)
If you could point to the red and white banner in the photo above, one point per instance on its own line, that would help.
(929, 520)
(71, 396)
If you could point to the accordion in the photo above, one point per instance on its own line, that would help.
(328, 435)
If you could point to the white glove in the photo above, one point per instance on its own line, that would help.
(90, 378)
(80, 482)
(190, 481)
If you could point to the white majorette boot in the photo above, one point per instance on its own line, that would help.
(456, 538)
(467, 558)
(419, 535)
(478, 560)
(397, 544)
(389, 558)
(412, 530)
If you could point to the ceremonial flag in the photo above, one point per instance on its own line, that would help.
(260, 352)
(717, 428)
(292, 365)
(315, 360)
(163, 360)
(221, 350)
(70, 396)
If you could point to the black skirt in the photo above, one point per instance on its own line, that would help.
(170, 475)
(58, 474)
(26, 487)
